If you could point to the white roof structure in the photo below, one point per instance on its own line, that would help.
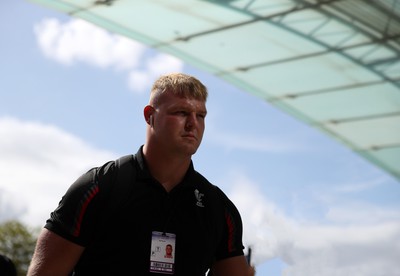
(334, 64)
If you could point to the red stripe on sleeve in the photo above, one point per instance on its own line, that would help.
(231, 232)
(85, 203)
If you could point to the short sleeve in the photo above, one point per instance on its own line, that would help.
(231, 244)
(79, 210)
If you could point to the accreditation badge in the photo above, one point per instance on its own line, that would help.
(162, 253)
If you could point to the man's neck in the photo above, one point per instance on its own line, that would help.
(167, 169)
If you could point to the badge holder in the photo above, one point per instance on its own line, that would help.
(162, 254)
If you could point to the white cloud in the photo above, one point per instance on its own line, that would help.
(352, 187)
(249, 142)
(37, 164)
(347, 243)
(160, 64)
(79, 41)
(361, 213)
(364, 250)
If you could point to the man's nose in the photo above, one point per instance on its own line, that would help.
(191, 121)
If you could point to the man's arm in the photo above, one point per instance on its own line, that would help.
(54, 255)
(235, 266)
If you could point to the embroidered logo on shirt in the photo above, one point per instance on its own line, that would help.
(198, 196)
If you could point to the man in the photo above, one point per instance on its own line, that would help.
(168, 251)
(168, 203)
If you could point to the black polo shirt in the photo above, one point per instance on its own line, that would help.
(207, 227)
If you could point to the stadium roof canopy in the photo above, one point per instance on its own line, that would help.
(334, 64)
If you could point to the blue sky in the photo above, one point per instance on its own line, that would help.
(72, 95)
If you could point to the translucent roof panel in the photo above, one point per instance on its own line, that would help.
(332, 64)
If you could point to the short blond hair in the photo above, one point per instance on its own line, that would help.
(179, 84)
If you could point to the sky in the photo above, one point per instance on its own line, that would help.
(72, 97)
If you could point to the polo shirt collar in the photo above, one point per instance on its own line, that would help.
(144, 173)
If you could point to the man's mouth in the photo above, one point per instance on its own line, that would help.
(190, 136)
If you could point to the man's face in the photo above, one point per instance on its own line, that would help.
(179, 123)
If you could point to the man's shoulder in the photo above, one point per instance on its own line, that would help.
(213, 192)
(204, 183)
(110, 168)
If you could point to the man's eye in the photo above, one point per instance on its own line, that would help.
(181, 113)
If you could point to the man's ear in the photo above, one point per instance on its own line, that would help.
(148, 114)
